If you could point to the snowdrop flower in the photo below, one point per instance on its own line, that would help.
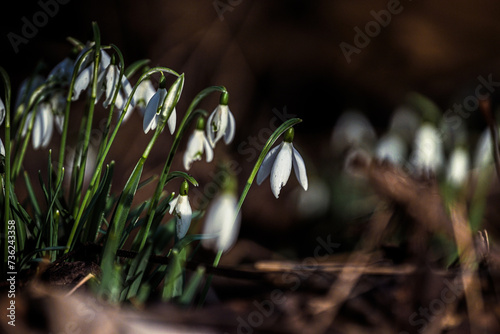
(43, 125)
(427, 153)
(27, 88)
(107, 84)
(404, 122)
(62, 71)
(221, 122)
(352, 129)
(278, 163)
(85, 74)
(196, 145)
(58, 104)
(484, 151)
(2, 148)
(143, 94)
(391, 147)
(458, 167)
(155, 107)
(222, 222)
(183, 212)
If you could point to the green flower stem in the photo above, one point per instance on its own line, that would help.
(105, 136)
(90, 116)
(188, 117)
(7, 180)
(102, 158)
(64, 135)
(270, 142)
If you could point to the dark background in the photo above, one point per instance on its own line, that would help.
(272, 54)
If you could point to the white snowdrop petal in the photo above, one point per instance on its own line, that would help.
(26, 124)
(59, 121)
(391, 147)
(37, 133)
(172, 204)
(184, 213)
(222, 222)
(2, 148)
(231, 128)
(267, 164)
(300, 168)
(48, 125)
(282, 168)
(208, 149)
(82, 82)
(172, 119)
(458, 167)
(209, 129)
(150, 112)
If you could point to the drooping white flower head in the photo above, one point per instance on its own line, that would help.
(197, 144)
(221, 123)
(392, 148)
(483, 155)
(458, 167)
(352, 130)
(427, 155)
(222, 222)
(143, 94)
(27, 87)
(404, 121)
(278, 164)
(58, 104)
(86, 73)
(183, 213)
(43, 125)
(155, 107)
(62, 71)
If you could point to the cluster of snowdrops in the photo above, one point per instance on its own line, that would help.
(87, 211)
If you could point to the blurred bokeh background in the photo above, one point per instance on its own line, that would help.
(278, 58)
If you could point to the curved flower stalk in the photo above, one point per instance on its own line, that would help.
(182, 209)
(278, 164)
(197, 144)
(221, 123)
(156, 107)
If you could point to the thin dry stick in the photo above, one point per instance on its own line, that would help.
(327, 308)
(82, 282)
(468, 263)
